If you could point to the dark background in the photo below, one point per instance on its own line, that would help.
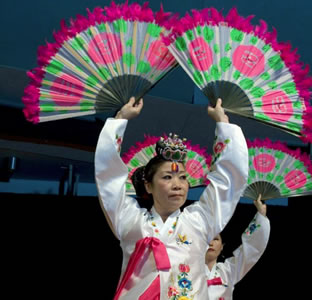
(62, 247)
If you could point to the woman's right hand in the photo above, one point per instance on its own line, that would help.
(130, 110)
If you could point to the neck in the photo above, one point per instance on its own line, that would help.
(211, 263)
(164, 216)
(162, 213)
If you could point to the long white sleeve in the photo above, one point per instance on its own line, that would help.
(254, 241)
(227, 178)
(111, 174)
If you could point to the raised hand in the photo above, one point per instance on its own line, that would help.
(130, 110)
(261, 207)
(217, 112)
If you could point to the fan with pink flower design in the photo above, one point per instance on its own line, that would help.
(244, 65)
(98, 62)
(277, 171)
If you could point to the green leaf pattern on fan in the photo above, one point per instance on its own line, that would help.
(270, 168)
(220, 53)
(78, 74)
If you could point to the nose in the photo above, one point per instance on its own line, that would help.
(176, 184)
(176, 188)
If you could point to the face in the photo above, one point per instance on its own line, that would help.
(169, 189)
(215, 248)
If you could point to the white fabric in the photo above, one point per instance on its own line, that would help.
(254, 241)
(186, 235)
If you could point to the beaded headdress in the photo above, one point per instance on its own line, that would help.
(196, 160)
(173, 149)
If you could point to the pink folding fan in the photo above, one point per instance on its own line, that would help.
(255, 75)
(98, 62)
(277, 171)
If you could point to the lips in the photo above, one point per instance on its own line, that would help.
(175, 195)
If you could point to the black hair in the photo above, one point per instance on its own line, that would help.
(146, 174)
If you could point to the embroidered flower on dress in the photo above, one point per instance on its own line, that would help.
(182, 239)
(252, 227)
(174, 225)
(184, 285)
(184, 268)
(119, 142)
(150, 218)
(218, 148)
(172, 292)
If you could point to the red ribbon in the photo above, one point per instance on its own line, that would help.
(214, 281)
(153, 291)
(160, 255)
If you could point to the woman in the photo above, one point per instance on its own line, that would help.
(164, 248)
(222, 277)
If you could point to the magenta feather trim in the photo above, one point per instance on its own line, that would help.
(132, 12)
(31, 97)
(32, 113)
(201, 151)
(307, 123)
(280, 146)
(148, 141)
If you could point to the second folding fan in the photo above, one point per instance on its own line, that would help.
(244, 65)
(197, 161)
(277, 171)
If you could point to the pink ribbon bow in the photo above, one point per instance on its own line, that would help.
(214, 281)
(160, 255)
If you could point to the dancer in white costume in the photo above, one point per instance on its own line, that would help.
(164, 249)
(222, 276)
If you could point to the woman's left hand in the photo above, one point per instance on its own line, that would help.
(217, 113)
(261, 207)
(130, 110)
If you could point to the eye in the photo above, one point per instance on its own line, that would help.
(183, 177)
(167, 177)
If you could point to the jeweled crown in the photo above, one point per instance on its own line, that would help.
(172, 148)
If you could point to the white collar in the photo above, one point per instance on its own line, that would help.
(213, 272)
(157, 216)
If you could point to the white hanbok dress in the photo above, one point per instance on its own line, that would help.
(222, 278)
(168, 257)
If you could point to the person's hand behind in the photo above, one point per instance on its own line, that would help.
(217, 112)
(261, 207)
(130, 110)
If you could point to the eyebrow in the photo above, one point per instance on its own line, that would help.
(171, 172)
